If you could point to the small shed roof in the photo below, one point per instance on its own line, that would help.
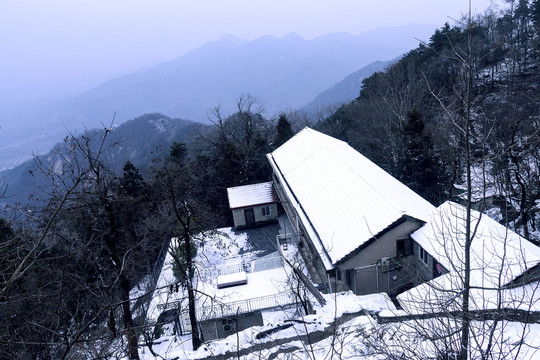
(251, 195)
(234, 279)
(343, 198)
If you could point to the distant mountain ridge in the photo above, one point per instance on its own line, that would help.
(284, 73)
(347, 89)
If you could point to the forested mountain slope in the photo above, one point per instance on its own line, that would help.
(409, 119)
(70, 270)
(138, 140)
(347, 89)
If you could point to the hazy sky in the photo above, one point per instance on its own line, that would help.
(50, 45)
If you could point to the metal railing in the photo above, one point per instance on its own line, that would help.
(267, 264)
(171, 305)
(233, 269)
(254, 266)
(219, 310)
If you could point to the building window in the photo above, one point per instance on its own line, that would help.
(404, 247)
(423, 255)
(266, 211)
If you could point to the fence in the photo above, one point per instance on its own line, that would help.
(267, 264)
(219, 310)
(233, 269)
(223, 310)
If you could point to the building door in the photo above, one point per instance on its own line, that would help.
(349, 279)
(250, 217)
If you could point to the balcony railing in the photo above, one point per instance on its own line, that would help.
(220, 309)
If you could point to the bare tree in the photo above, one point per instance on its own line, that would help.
(38, 276)
(173, 181)
(464, 313)
(95, 241)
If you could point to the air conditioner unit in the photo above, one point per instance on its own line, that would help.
(385, 264)
(229, 325)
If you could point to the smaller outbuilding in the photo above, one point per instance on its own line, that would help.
(253, 205)
(504, 269)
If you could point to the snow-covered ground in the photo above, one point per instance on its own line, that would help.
(215, 249)
(224, 249)
(319, 325)
(344, 328)
(223, 254)
(486, 186)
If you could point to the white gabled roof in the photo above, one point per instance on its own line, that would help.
(498, 255)
(345, 197)
(250, 195)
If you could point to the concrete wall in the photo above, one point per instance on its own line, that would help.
(312, 260)
(216, 328)
(260, 218)
(424, 272)
(404, 272)
(240, 218)
(367, 278)
(289, 210)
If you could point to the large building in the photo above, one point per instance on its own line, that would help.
(361, 229)
(353, 218)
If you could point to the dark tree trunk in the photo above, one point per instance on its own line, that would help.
(466, 320)
(185, 223)
(127, 317)
(195, 337)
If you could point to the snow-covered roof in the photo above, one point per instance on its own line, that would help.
(250, 195)
(238, 278)
(498, 255)
(343, 198)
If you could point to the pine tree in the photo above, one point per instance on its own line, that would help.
(421, 169)
(283, 131)
(132, 183)
(178, 152)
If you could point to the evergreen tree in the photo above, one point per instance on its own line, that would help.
(420, 166)
(535, 14)
(132, 183)
(178, 152)
(535, 17)
(6, 231)
(283, 131)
